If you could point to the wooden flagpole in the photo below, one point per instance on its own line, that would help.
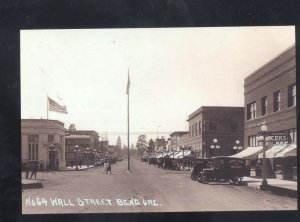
(128, 86)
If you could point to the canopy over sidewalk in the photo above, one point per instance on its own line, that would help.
(290, 150)
(270, 153)
(249, 152)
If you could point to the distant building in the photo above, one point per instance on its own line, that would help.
(84, 139)
(160, 144)
(43, 139)
(175, 139)
(215, 122)
(270, 99)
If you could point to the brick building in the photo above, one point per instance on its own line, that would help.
(270, 99)
(214, 122)
(43, 140)
(84, 139)
(175, 139)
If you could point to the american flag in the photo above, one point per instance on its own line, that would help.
(55, 107)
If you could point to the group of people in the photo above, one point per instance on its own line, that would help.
(33, 168)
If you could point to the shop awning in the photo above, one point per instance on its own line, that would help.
(186, 152)
(290, 150)
(270, 153)
(249, 152)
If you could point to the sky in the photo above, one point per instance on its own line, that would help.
(173, 72)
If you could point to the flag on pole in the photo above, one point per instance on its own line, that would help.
(55, 107)
(128, 84)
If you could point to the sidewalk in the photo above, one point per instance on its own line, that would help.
(276, 186)
(38, 183)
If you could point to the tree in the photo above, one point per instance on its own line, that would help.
(132, 146)
(151, 146)
(72, 127)
(119, 142)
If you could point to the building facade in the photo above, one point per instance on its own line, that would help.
(88, 142)
(270, 99)
(43, 140)
(175, 139)
(209, 123)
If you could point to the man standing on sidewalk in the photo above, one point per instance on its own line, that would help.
(34, 170)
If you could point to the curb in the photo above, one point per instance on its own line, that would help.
(32, 186)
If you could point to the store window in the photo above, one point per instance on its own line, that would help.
(251, 110)
(276, 96)
(264, 106)
(292, 95)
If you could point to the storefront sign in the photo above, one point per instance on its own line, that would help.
(278, 136)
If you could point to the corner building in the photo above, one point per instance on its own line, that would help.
(43, 140)
(270, 99)
(215, 122)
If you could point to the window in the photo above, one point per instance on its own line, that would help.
(200, 127)
(33, 146)
(252, 141)
(196, 127)
(190, 131)
(276, 96)
(234, 127)
(212, 126)
(251, 110)
(264, 106)
(292, 95)
(292, 136)
(50, 138)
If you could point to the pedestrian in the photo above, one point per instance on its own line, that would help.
(26, 169)
(42, 165)
(34, 170)
(72, 164)
(57, 164)
(80, 163)
(109, 167)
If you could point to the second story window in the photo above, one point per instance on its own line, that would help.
(251, 110)
(276, 96)
(264, 106)
(196, 127)
(200, 127)
(292, 95)
(50, 138)
(234, 127)
(190, 131)
(212, 126)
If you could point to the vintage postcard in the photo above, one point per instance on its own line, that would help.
(158, 120)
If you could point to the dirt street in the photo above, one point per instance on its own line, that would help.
(146, 189)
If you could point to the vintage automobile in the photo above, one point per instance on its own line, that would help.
(152, 159)
(225, 169)
(198, 165)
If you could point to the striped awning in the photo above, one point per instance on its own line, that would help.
(290, 150)
(271, 153)
(249, 152)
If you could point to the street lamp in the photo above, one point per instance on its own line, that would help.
(76, 149)
(87, 155)
(215, 146)
(95, 153)
(237, 147)
(263, 138)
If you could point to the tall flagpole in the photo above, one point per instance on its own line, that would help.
(128, 85)
(47, 106)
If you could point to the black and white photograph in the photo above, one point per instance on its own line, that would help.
(131, 120)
